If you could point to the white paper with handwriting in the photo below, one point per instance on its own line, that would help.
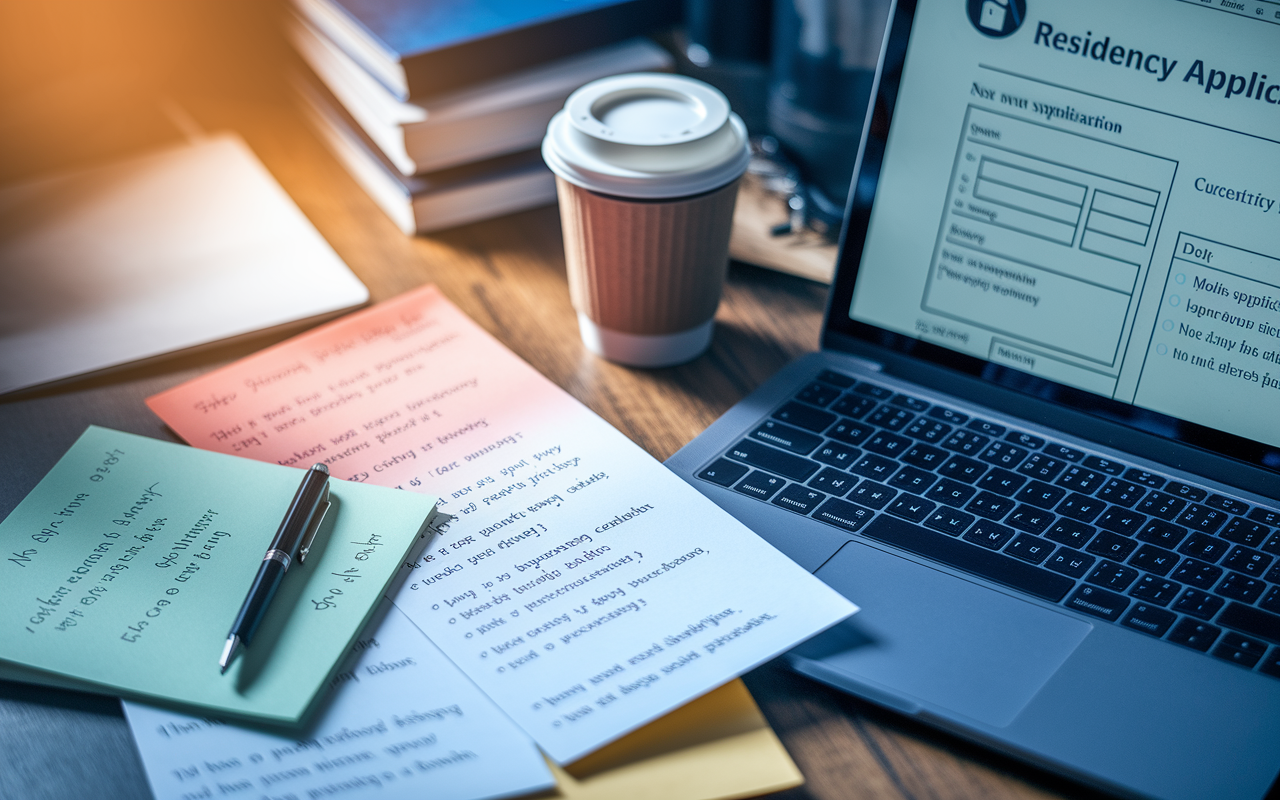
(583, 586)
(404, 723)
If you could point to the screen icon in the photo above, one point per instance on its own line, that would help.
(997, 18)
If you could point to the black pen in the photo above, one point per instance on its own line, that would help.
(293, 540)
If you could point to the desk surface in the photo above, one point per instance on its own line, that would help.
(508, 274)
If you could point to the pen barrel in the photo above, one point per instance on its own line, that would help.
(270, 573)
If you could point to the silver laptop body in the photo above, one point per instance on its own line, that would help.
(1039, 446)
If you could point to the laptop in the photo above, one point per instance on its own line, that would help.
(1040, 445)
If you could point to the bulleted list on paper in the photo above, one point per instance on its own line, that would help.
(583, 586)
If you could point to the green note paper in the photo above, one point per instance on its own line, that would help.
(127, 564)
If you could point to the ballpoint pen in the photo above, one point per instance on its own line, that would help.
(293, 540)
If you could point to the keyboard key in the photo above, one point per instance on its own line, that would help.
(807, 417)
(1229, 504)
(1121, 493)
(759, 484)
(1112, 545)
(1252, 621)
(1271, 664)
(951, 521)
(991, 506)
(895, 419)
(1110, 575)
(1001, 481)
(1198, 604)
(791, 439)
(1155, 590)
(818, 394)
(948, 416)
(1272, 600)
(1029, 519)
(835, 378)
(843, 515)
(849, 431)
(1041, 494)
(951, 493)
(1192, 493)
(908, 506)
(1082, 480)
(1240, 587)
(723, 472)
(912, 479)
(837, 455)
(1165, 534)
(1159, 504)
(1239, 649)
(1202, 518)
(928, 430)
(924, 456)
(984, 427)
(799, 499)
(907, 401)
(1031, 549)
(961, 468)
(1250, 562)
(887, 444)
(1097, 602)
(1003, 454)
(776, 461)
(1197, 573)
(1042, 467)
(1063, 452)
(1149, 479)
(871, 390)
(1081, 507)
(1024, 440)
(872, 494)
(1204, 547)
(1069, 562)
(877, 468)
(1273, 544)
(853, 405)
(1120, 520)
(1266, 516)
(833, 481)
(1071, 533)
(1245, 531)
(975, 560)
(965, 442)
(1148, 619)
(1154, 559)
(1194, 634)
(1104, 465)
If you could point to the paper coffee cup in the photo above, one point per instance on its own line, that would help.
(647, 168)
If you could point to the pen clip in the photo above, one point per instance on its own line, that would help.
(322, 508)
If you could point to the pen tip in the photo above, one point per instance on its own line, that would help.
(228, 653)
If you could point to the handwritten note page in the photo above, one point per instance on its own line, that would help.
(405, 723)
(584, 587)
(127, 563)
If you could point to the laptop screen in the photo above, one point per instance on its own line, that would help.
(1081, 198)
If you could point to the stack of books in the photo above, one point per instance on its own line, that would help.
(438, 109)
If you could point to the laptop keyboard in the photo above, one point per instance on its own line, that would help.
(1167, 558)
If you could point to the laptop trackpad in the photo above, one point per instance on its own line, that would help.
(938, 638)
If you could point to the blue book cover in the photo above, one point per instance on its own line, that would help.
(447, 44)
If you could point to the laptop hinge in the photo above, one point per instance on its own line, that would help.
(864, 363)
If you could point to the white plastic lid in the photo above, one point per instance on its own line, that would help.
(647, 135)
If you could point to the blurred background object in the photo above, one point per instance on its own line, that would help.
(727, 43)
(824, 60)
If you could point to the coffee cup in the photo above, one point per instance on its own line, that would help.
(647, 168)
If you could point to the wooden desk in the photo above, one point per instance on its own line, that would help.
(508, 274)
